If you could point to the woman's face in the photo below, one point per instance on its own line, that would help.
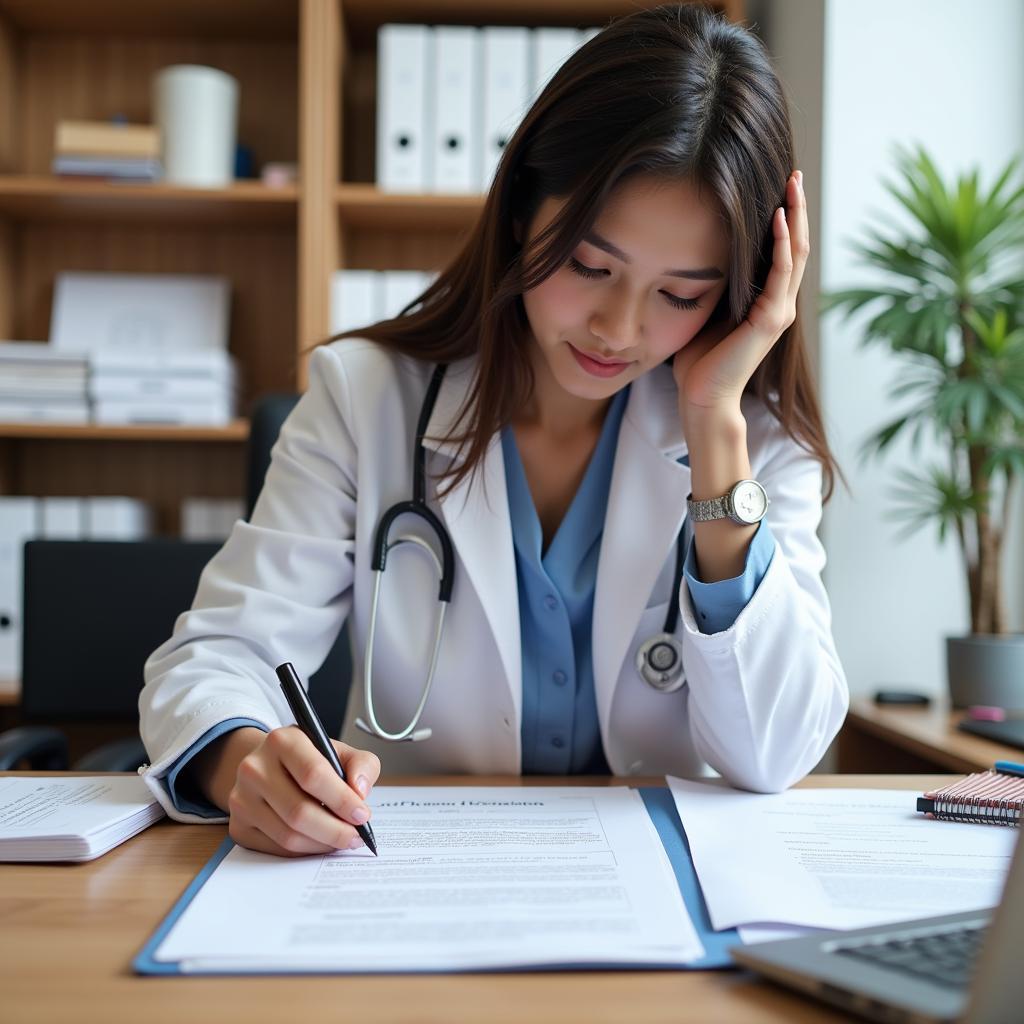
(639, 286)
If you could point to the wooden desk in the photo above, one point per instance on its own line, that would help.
(913, 739)
(68, 933)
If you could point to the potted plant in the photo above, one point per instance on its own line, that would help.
(950, 302)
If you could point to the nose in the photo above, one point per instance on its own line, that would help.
(618, 322)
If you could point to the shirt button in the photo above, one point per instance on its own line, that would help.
(558, 742)
(559, 677)
(551, 602)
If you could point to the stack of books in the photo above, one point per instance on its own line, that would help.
(98, 149)
(42, 384)
(185, 387)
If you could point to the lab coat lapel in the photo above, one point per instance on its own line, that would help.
(476, 515)
(646, 507)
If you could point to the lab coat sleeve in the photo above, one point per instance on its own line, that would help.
(768, 694)
(278, 590)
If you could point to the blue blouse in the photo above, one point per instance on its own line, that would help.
(560, 734)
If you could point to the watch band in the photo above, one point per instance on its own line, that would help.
(708, 509)
(736, 505)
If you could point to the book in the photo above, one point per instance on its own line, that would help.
(112, 167)
(989, 798)
(106, 139)
(76, 818)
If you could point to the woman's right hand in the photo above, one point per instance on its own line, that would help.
(285, 798)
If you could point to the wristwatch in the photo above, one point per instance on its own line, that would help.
(745, 505)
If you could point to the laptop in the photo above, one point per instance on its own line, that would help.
(956, 967)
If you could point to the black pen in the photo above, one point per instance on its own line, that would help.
(309, 722)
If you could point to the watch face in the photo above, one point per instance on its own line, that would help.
(749, 501)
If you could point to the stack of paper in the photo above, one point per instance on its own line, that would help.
(833, 858)
(49, 819)
(40, 383)
(199, 387)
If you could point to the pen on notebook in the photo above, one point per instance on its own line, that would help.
(1009, 768)
(309, 722)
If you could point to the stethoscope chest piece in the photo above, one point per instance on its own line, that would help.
(659, 660)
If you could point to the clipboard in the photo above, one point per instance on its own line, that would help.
(660, 806)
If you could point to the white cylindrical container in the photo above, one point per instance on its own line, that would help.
(196, 110)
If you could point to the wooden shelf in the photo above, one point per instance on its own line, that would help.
(254, 19)
(367, 206)
(237, 430)
(43, 198)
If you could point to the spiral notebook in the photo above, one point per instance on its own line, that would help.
(989, 798)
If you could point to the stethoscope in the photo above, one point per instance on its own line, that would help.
(659, 660)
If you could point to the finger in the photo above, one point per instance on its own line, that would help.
(270, 834)
(800, 232)
(768, 314)
(314, 774)
(298, 819)
(271, 800)
(362, 767)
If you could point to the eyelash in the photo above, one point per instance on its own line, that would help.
(591, 273)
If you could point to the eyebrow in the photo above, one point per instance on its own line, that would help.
(701, 274)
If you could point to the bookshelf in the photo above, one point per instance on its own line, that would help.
(307, 75)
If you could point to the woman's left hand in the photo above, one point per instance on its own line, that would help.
(714, 367)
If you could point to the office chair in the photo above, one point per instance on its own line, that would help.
(329, 686)
(93, 613)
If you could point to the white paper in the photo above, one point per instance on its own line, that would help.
(466, 878)
(835, 858)
(75, 818)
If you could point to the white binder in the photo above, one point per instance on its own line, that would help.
(356, 299)
(552, 47)
(403, 113)
(61, 519)
(116, 518)
(400, 288)
(506, 91)
(18, 523)
(455, 86)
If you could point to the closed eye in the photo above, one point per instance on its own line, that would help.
(592, 272)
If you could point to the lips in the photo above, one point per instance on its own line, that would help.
(597, 366)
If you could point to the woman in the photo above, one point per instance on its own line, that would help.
(621, 359)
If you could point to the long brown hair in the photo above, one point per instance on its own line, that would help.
(674, 91)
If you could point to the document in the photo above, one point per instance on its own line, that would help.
(73, 818)
(835, 858)
(467, 878)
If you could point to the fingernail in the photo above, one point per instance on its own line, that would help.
(800, 178)
(356, 843)
(360, 816)
(363, 785)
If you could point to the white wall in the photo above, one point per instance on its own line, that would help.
(948, 74)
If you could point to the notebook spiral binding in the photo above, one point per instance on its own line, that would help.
(967, 809)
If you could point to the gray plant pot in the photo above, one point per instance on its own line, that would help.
(986, 670)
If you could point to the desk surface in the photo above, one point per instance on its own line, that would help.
(68, 933)
(928, 734)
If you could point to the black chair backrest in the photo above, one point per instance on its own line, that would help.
(264, 425)
(94, 612)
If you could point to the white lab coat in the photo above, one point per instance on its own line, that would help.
(763, 699)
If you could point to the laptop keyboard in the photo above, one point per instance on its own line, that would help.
(945, 958)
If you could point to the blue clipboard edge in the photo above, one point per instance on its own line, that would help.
(662, 809)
